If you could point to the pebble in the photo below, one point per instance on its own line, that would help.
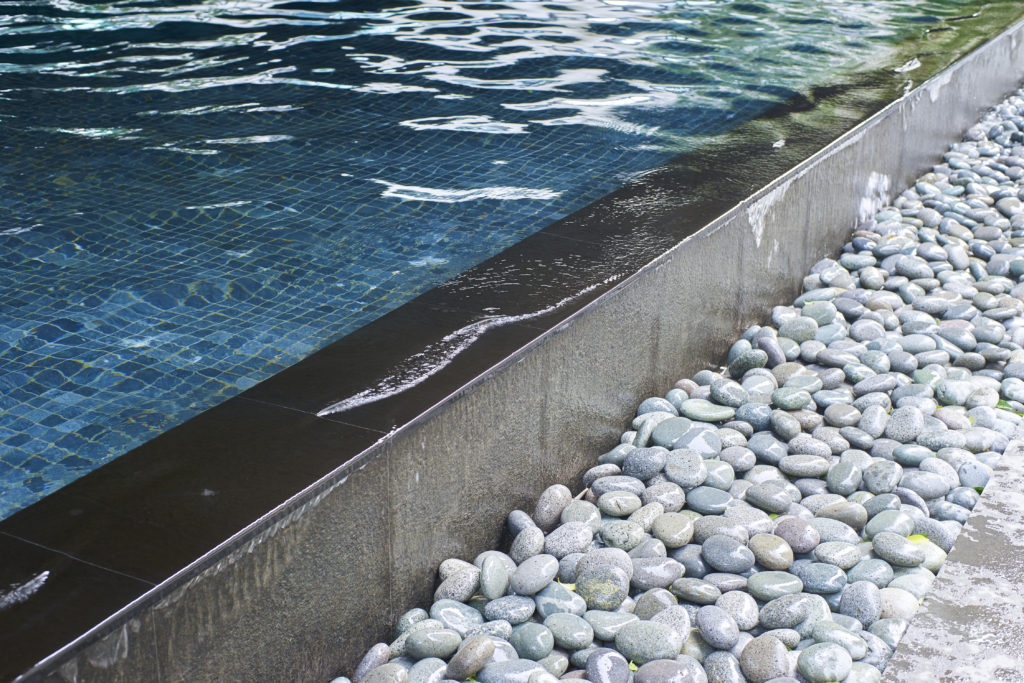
(769, 585)
(771, 551)
(764, 658)
(602, 586)
(646, 641)
(825, 662)
(607, 666)
(897, 550)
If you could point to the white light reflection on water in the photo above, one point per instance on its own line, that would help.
(437, 356)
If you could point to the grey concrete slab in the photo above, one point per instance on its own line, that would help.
(971, 624)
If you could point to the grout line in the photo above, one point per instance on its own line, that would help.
(78, 559)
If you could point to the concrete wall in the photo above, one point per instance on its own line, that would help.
(303, 593)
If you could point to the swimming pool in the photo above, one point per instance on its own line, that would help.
(197, 196)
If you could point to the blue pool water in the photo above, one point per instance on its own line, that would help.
(195, 196)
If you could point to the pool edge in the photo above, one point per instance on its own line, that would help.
(564, 394)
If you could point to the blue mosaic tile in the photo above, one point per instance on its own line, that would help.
(181, 217)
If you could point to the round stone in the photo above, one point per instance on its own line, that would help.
(897, 550)
(824, 662)
(904, 424)
(674, 529)
(392, 672)
(622, 534)
(509, 671)
(741, 607)
(607, 624)
(897, 603)
(556, 598)
(515, 609)
(763, 659)
(646, 641)
(862, 600)
(456, 615)
(842, 555)
(820, 577)
(717, 626)
(571, 632)
(572, 537)
(785, 611)
(707, 500)
(644, 463)
(801, 536)
(696, 591)
(533, 574)
(602, 586)
(767, 586)
(895, 521)
(663, 671)
(472, 655)
(655, 572)
(441, 643)
(771, 551)
(726, 554)
(882, 476)
(706, 411)
(685, 468)
(532, 641)
(802, 465)
(607, 666)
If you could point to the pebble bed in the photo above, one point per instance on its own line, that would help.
(782, 518)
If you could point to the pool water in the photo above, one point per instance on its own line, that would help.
(195, 196)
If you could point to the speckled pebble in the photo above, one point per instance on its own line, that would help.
(645, 641)
(764, 658)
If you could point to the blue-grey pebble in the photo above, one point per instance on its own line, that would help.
(897, 550)
(764, 658)
(645, 641)
(889, 630)
(556, 598)
(527, 543)
(655, 572)
(726, 554)
(603, 587)
(471, 656)
(607, 624)
(607, 666)
(456, 616)
(533, 574)
(663, 671)
(819, 577)
(376, 656)
(723, 667)
(494, 577)
(430, 670)
(696, 591)
(707, 500)
(717, 626)
(862, 601)
(871, 569)
(571, 632)
(515, 609)
(511, 671)
(824, 662)
(393, 672)
(532, 640)
(767, 586)
(882, 476)
(786, 611)
(441, 643)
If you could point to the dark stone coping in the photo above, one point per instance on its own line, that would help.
(260, 541)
